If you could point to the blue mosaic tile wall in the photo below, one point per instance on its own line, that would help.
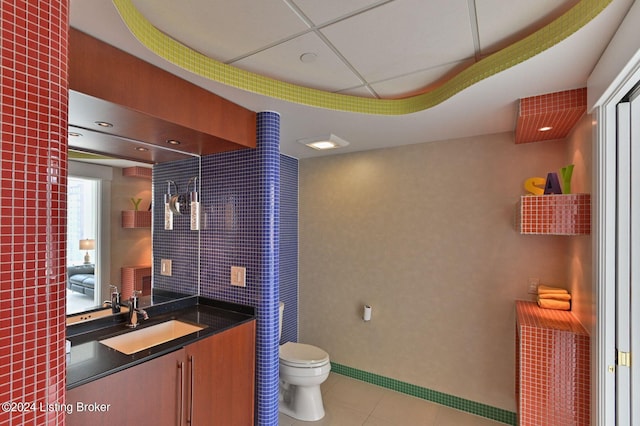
(180, 244)
(289, 247)
(242, 195)
(240, 221)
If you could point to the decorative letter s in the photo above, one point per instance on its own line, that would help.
(532, 185)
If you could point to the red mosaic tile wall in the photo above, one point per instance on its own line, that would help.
(557, 214)
(552, 370)
(33, 89)
(560, 110)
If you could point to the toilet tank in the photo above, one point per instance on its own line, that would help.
(281, 308)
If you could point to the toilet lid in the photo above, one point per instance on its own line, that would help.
(302, 355)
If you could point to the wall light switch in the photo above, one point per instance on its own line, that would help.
(238, 276)
(533, 285)
(165, 267)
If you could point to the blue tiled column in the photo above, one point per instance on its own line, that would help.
(268, 141)
(240, 202)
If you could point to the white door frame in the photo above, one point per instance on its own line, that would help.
(604, 244)
(613, 77)
(634, 281)
(604, 261)
(623, 261)
(604, 254)
(616, 240)
(628, 247)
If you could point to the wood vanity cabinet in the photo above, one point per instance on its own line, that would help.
(148, 393)
(209, 382)
(222, 373)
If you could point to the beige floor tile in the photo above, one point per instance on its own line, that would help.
(284, 420)
(400, 409)
(450, 417)
(373, 421)
(353, 394)
(330, 382)
(350, 402)
(335, 415)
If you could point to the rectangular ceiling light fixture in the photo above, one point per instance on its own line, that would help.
(323, 142)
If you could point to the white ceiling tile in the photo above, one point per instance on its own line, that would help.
(487, 106)
(404, 36)
(324, 11)
(222, 29)
(283, 62)
(524, 17)
(360, 91)
(413, 83)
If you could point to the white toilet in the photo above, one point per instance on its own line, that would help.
(302, 369)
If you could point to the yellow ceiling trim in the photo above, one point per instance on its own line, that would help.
(204, 66)
(81, 155)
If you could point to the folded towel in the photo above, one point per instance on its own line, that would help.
(561, 305)
(544, 289)
(555, 296)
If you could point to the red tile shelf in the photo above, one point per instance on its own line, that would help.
(135, 278)
(136, 219)
(560, 111)
(552, 367)
(556, 214)
(137, 171)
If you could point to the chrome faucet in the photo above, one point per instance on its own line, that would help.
(114, 303)
(134, 311)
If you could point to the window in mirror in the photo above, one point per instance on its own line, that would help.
(83, 286)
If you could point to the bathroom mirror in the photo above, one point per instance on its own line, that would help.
(98, 160)
(123, 107)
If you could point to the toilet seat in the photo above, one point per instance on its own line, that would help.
(302, 355)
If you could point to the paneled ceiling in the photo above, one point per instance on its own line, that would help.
(386, 49)
(375, 49)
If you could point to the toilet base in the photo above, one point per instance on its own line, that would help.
(301, 402)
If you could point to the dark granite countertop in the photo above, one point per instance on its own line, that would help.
(90, 360)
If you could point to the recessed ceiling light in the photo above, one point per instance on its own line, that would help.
(75, 134)
(324, 142)
(103, 124)
(142, 149)
(545, 129)
(308, 57)
(173, 142)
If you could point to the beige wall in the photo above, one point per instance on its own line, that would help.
(425, 235)
(129, 247)
(579, 147)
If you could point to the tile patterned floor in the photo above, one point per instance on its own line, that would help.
(350, 402)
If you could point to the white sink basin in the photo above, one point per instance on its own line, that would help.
(135, 341)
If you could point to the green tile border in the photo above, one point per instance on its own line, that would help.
(204, 66)
(461, 404)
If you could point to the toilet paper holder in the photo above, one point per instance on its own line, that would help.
(366, 314)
